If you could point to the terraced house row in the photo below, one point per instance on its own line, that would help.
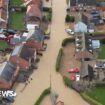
(26, 46)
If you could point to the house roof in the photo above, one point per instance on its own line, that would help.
(27, 53)
(80, 27)
(18, 61)
(7, 71)
(34, 11)
(32, 43)
(72, 2)
(87, 2)
(17, 50)
(87, 70)
(100, 4)
(85, 19)
(38, 35)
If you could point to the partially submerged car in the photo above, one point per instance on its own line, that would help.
(69, 31)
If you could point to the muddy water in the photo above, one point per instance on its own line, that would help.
(41, 77)
(46, 101)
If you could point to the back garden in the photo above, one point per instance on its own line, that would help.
(17, 15)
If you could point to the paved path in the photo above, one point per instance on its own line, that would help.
(41, 77)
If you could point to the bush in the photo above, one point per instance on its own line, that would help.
(44, 93)
(58, 61)
(47, 9)
(67, 41)
(89, 99)
(49, 16)
(103, 41)
(67, 82)
(69, 18)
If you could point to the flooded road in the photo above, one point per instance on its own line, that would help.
(46, 67)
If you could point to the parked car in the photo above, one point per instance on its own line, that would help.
(99, 66)
(73, 70)
(69, 31)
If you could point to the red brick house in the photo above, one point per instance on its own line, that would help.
(8, 75)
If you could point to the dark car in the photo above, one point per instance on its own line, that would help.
(9, 31)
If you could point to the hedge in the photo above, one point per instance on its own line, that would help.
(67, 41)
(47, 9)
(67, 81)
(49, 16)
(97, 33)
(69, 18)
(42, 96)
(58, 61)
(89, 99)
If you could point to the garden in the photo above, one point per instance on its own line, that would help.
(16, 2)
(17, 20)
(101, 54)
(3, 45)
(97, 94)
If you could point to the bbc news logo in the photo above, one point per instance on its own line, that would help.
(8, 93)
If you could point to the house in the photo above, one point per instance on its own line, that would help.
(3, 13)
(100, 6)
(87, 71)
(87, 2)
(23, 56)
(80, 27)
(8, 75)
(33, 13)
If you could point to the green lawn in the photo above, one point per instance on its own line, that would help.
(98, 94)
(101, 54)
(17, 2)
(17, 20)
(100, 0)
(3, 45)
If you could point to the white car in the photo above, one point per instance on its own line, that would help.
(69, 31)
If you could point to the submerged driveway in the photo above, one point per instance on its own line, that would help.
(41, 77)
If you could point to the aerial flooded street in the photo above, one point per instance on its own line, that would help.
(46, 67)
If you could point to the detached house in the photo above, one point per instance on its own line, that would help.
(8, 75)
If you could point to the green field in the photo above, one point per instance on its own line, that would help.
(101, 54)
(16, 2)
(3, 45)
(98, 94)
(17, 20)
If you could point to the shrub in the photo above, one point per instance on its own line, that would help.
(69, 18)
(58, 61)
(49, 16)
(47, 9)
(67, 82)
(103, 41)
(67, 41)
(44, 93)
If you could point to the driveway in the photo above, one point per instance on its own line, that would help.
(41, 77)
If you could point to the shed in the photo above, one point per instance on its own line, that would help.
(80, 27)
